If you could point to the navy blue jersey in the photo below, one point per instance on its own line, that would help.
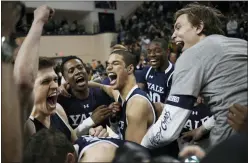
(135, 91)
(84, 142)
(106, 81)
(157, 84)
(56, 122)
(200, 113)
(78, 110)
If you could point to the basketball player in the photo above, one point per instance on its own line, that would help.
(86, 107)
(157, 77)
(137, 113)
(156, 80)
(40, 148)
(212, 64)
(40, 77)
(93, 149)
(12, 111)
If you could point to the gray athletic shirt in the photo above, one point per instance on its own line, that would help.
(216, 67)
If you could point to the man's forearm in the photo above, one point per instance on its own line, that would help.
(26, 64)
(167, 128)
(105, 88)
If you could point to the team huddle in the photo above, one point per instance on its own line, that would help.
(157, 109)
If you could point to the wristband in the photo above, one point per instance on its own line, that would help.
(84, 127)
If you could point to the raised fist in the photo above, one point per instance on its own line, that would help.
(43, 13)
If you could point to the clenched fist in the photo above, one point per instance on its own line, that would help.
(43, 13)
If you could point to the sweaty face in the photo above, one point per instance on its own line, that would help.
(185, 35)
(76, 75)
(117, 71)
(45, 91)
(156, 55)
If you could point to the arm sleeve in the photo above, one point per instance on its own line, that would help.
(168, 126)
(186, 85)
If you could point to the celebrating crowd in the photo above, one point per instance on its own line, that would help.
(145, 109)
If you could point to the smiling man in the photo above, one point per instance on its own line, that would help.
(211, 64)
(157, 78)
(137, 113)
(85, 107)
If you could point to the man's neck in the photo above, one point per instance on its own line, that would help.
(81, 94)
(164, 66)
(41, 117)
(130, 83)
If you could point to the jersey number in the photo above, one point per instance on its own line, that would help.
(154, 97)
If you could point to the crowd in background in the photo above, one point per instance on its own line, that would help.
(152, 20)
(38, 88)
(56, 27)
(155, 19)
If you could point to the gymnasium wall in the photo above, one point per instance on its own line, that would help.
(86, 47)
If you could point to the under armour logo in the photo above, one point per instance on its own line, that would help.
(195, 113)
(86, 106)
(150, 76)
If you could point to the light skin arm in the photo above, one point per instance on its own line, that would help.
(137, 117)
(107, 89)
(25, 70)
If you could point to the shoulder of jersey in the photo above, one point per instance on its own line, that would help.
(146, 68)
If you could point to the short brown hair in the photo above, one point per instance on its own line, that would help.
(128, 57)
(210, 17)
(118, 47)
(45, 62)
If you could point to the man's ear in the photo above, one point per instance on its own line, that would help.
(70, 158)
(130, 69)
(199, 28)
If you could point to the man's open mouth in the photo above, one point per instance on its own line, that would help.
(180, 44)
(112, 77)
(52, 100)
(154, 61)
(80, 81)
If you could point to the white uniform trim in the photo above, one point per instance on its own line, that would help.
(168, 68)
(148, 72)
(90, 145)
